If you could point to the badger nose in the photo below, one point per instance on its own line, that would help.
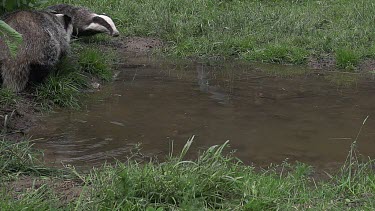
(115, 34)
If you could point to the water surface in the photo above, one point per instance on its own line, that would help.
(269, 113)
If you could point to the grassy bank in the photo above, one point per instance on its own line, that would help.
(282, 31)
(212, 182)
(85, 64)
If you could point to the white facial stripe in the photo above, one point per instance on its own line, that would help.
(60, 17)
(110, 22)
(69, 32)
(96, 27)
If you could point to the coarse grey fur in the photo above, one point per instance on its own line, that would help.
(46, 38)
(83, 18)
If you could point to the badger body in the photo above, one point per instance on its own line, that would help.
(86, 22)
(46, 38)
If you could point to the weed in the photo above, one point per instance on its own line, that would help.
(19, 159)
(347, 59)
(63, 88)
(33, 199)
(7, 97)
(95, 62)
(95, 40)
(277, 54)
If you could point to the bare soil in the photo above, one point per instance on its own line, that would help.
(328, 63)
(65, 190)
(367, 65)
(17, 118)
(139, 45)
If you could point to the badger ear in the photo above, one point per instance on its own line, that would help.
(65, 19)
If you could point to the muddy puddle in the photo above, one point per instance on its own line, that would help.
(269, 113)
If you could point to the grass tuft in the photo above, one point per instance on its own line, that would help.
(95, 62)
(278, 54)
(19, 159)
(33, 199)
(7, 97)
(347, 59)
(64, 87)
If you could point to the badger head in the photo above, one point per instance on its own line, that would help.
(67, 23)
(102, 24)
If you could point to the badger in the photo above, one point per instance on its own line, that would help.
(46, 38)
(86, 22)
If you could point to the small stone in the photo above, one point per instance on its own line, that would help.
(95, 85)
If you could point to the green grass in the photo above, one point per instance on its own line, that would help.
(96, 63)
(62, 88)
(347, 59)
(74, 74)
(42, 198)
(59, 91)
(213, 181)
(281, 31)
(19, 158)
(7, 97)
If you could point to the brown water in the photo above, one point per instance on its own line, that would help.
(267, 117)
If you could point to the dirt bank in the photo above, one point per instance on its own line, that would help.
(328, 63)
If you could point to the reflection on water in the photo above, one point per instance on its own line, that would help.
(267, 117)
(215, 92)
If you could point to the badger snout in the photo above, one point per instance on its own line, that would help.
(115, 34)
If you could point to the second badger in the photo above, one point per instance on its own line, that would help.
(46, 38)
(86, 22)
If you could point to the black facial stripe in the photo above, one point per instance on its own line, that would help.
(102, 22)
(67, 21)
